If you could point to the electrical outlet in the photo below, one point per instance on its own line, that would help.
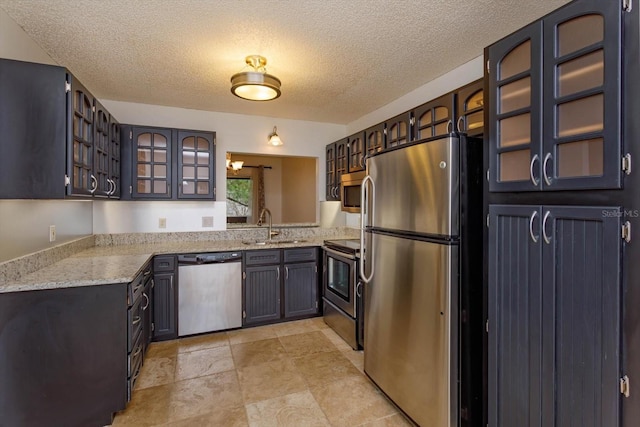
(207, 222)
(52, 233)
(162, 222)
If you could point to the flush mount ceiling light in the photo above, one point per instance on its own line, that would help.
(274, 139)
(256, 84)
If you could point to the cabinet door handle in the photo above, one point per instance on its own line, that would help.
(277, 273)
(147, 304)
(459, 123)
(547, 239)
(450, 126)
(533, 236)
(531, 174)
(544, 169)
(286, 273)
(94, 184)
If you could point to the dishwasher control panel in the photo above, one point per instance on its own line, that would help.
(209, 258)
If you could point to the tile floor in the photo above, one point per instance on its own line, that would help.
(294, 374)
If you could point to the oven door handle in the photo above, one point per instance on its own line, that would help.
(366, 218)
(338, 253)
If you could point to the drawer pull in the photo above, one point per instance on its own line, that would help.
(147, 304)
(137, 352)
(136, 320)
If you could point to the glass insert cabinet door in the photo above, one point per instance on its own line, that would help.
(582, 59)
(195, 169)
(555, 104)
(515, 111)
(152, 173)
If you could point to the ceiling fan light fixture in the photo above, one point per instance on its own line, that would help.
(256, 84)
(274, 139)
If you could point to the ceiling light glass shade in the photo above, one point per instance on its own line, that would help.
(237, 165)
(274, 139)
(255, 85)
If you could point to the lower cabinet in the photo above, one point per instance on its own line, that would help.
(261, 294)
(165, 298)
(280, 284)
(63, 356)
(554, 315)
(301, 289)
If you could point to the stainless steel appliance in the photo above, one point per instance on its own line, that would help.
(209, 292)
(342, 290)
(350, 188)
(422, 245)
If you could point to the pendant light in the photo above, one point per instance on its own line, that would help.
(256, 84)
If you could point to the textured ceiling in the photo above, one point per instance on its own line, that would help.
(338, 59)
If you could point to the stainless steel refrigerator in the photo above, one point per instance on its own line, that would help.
(422, 234)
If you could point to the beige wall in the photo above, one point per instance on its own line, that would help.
(298, 199)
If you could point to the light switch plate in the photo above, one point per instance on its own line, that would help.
(162, 222)
(52, 233)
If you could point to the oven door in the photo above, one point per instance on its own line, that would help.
(339, 280)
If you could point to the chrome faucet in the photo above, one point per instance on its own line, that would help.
(261, 219)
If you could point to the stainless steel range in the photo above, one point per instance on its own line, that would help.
(342, 290)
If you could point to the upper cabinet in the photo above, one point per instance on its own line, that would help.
(196, 157)
(398, 130)
(374, 139)
(554, 102)
(83, 180)
(165, 164)
(356, 152)
(337, 158)
(56, 137)
(435, 118)
(470, 109)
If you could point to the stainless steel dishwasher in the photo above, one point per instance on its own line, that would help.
(209, 292)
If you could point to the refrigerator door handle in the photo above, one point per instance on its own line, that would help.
(365, 212)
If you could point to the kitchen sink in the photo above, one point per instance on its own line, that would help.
(272, 242)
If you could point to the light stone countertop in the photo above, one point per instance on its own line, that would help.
(101, 265)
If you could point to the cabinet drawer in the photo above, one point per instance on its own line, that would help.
(137, 285)
(134, 359)
(299, 255)
(262, 257)
(164, 263)
(134, 321)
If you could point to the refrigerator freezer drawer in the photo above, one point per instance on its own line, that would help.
(410, 326)
(417, 188)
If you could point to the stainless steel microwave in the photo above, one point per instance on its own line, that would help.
(350, 191)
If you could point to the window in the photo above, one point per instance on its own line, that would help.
(239, 199)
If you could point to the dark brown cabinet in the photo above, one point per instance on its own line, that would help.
(554, 315)
(555, 102)
(56, 144)
(165, 298)
(470, 109)
(374, 139)
(336, 156)
(64, 356)
(280, 284)
(398, 130)
(356, 149)
(168, 164)
(434, 118)
(300, 282)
